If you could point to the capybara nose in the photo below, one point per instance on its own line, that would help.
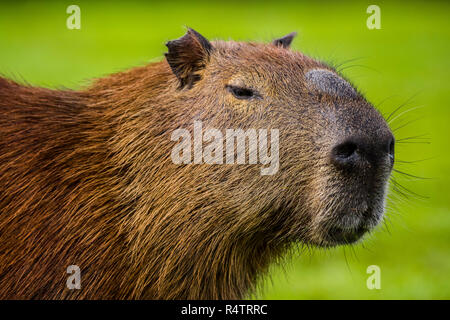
(357, 151)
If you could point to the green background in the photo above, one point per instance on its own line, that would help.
(405, 63)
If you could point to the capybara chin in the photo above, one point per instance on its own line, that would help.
(87, 178)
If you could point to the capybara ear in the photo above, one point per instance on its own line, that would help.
(285, 42)
(187, 56)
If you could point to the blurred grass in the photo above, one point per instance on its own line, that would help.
(406, 61)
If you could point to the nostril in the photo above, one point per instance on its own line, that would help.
(345, 154)
(363, 151)
(392, 148)
(345, 150)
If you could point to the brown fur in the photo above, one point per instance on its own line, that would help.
(86, 178)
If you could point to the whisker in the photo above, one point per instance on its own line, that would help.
(358, 65)
(355, 255)
(404, 125)
(386, 226)
(377, 105)
(397, 199)
(414, 142)
(411, 175)
(404, 112)
(336, 66)
(414, 161)
(418, 137)
(406, 192)
(398, 108)
(346, 260)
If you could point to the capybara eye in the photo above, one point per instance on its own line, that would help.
(240, 92)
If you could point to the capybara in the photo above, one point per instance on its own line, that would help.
(87, 177)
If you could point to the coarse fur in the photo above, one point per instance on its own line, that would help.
(86, 177)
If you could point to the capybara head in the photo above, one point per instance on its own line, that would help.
(336, 151)
(185, 178)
